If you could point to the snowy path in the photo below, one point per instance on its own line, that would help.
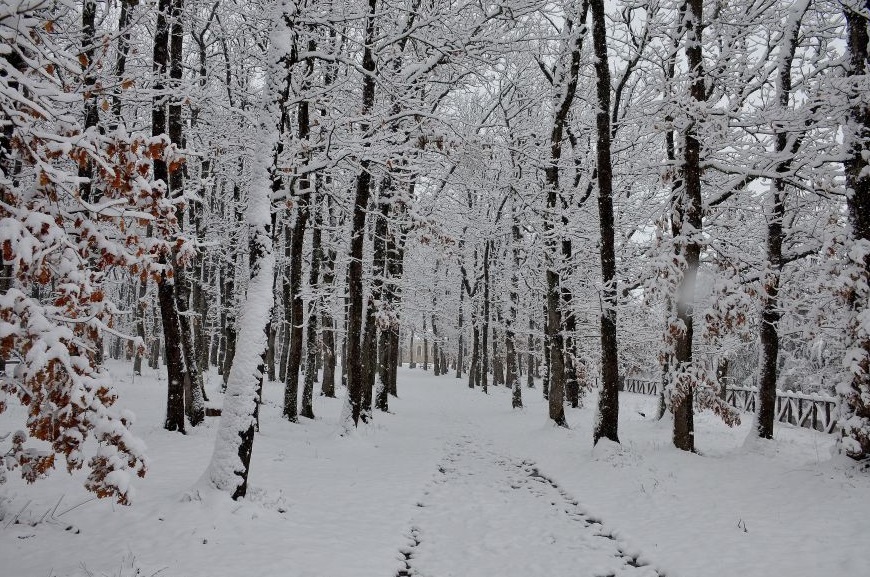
(452, 483)
(486, 514)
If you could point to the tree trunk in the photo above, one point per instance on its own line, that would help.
(607, 424)
(411, 363)
(425, 346)
(327, 384)
(855, 408)
(556, 369)
(484, 327)
(512, 377)
(296, 304)
(355, 375)
(460, 329)
(474, 369)
(684, 428)
(230, 463)
(370, 337)
(311, 345)
(166, 289)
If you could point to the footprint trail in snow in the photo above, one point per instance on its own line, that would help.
(485, 515)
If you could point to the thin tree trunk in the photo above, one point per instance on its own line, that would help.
(530, 357)
(327, 383)
(556, 369)
(411, 363)
(460, 328)
(311, 346)
(425, 346)
(484, 328)
(512, 377)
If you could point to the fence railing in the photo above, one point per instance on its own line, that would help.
(817, 412)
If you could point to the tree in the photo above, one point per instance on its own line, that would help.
(854, 405)
(607, 424)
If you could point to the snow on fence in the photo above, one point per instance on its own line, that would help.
(817, 412)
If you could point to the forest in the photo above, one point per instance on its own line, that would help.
(555, 199)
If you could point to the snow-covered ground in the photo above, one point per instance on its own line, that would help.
(457, 483)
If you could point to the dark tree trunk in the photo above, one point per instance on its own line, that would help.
(425, 346)
(121, 60)
(545, 380)
(530, 357)
(684, 427)
(474, 369)
(607, 424)
(297, 304)
(327, 384)
(556, 369)
(355, 374)
(395, 268)
(436, 361)
(311, 346)
(460, 329)
(484, 327)
(382, 395)
(854, 402)
(174, 359)
(512, 377)
(166, 289)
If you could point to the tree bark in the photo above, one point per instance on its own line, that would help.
(355, 375)
(684, 428)
(854, 405)
(770, 313)
(607, 424)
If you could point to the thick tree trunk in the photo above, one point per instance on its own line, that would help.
(355, 374)
(684, 428)
(174, 358)
(854, 395)
(166, 289)
(231, 459)
(607, 424)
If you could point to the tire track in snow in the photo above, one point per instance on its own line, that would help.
(483, 513)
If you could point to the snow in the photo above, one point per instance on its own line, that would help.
(453, 482)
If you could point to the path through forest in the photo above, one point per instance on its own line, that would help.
(486, 514)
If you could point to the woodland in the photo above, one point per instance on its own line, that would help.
(544, 197)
